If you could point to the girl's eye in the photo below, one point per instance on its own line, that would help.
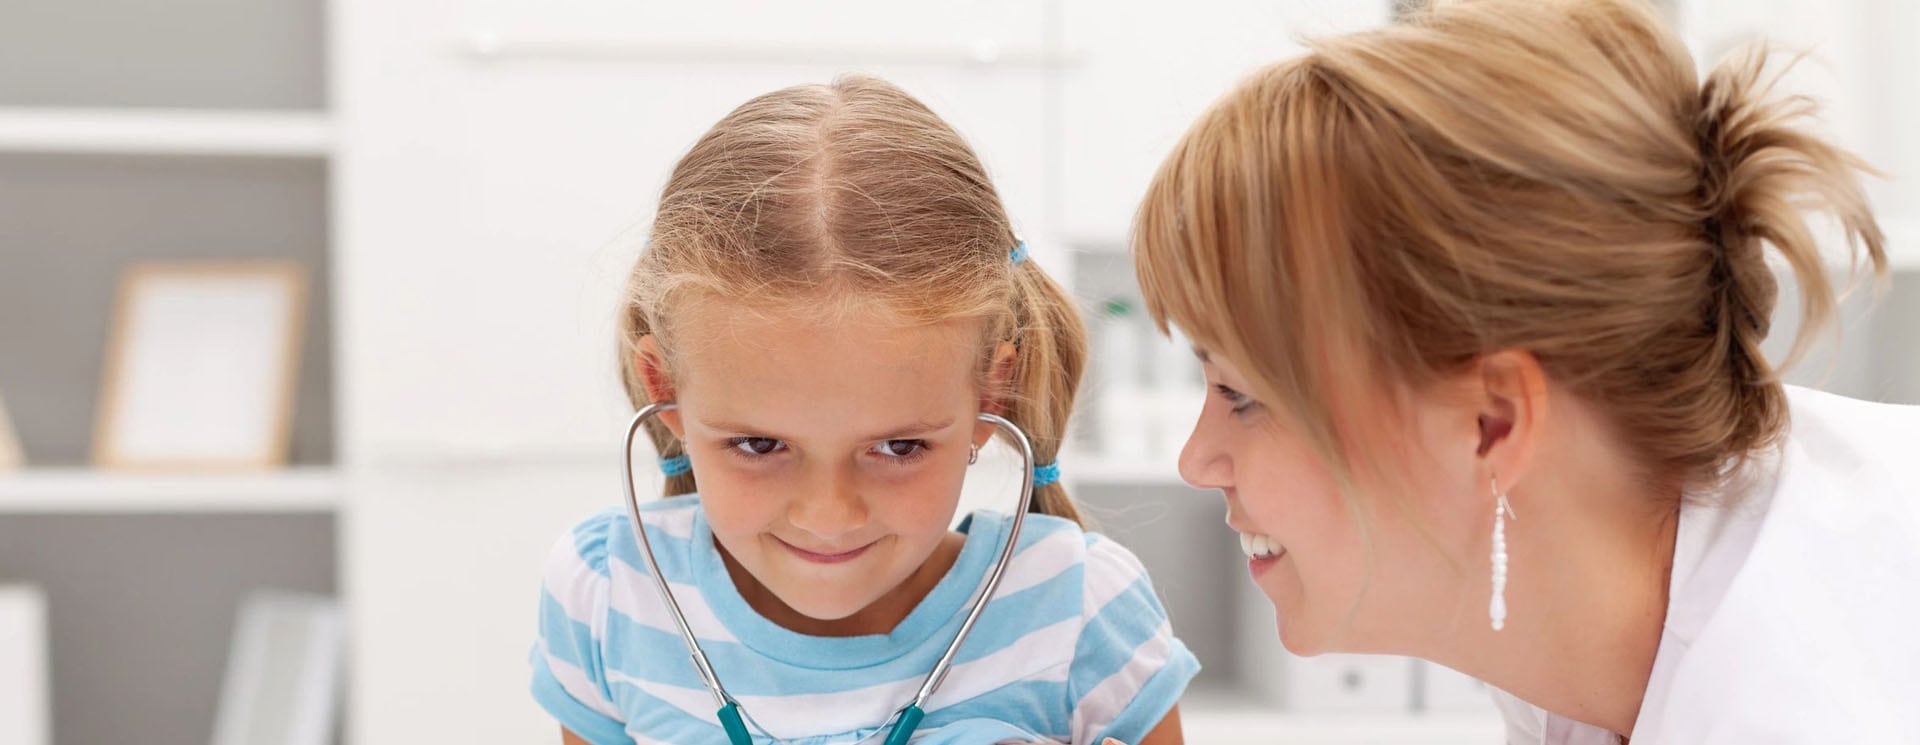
(901, 449)
(1239, 400)
(756, 446)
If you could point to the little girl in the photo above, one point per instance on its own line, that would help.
(831, 294)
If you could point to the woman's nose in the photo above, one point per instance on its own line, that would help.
(1203, 465)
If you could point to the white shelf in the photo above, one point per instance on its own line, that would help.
(1260, 727)
(83, 490)
(273, 134)
(1228, 717)
(985, 53)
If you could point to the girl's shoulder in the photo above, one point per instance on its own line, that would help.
(1060, 552)
(592, 544)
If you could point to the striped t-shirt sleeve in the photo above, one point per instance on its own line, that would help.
(569, 674)
(1128, 668)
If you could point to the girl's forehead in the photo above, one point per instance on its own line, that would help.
(782, 366)
(721, 327)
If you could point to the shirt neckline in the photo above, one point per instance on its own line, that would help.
(984, 530)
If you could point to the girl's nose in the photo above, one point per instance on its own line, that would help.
(829, 507)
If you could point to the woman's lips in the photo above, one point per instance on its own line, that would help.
(1259, 565)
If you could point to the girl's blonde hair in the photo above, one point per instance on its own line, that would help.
(1543, 175)
(850, 195)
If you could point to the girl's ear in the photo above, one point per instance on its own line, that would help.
(999, 386)
(659, 385)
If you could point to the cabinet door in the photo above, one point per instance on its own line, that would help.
(443, 567)
(494, 196)
(1145, 70)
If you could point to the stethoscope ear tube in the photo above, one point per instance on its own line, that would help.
(908, 718)
(1025, 446)
(700, 662)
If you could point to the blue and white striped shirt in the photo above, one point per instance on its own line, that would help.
(1074, 647)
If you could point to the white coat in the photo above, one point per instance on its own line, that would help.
(1794, 610)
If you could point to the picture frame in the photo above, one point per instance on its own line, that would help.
(25, 701)
(201, 366)
(282, 680)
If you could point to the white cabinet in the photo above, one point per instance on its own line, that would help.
(1144, 71)
(1444, 690)
(443, 568)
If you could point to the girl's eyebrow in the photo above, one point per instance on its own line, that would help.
(913, 430)
(900, 433)
(742, 429)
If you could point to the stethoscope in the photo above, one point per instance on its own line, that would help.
(908, 717)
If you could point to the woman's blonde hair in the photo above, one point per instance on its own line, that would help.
(847, 197)
(1543, 175)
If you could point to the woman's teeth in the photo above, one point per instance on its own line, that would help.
(1260, 546)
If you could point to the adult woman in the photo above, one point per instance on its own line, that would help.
(1482, 299)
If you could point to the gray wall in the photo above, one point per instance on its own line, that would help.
(1869, 352)
(141, 609)
(196, 53)
(70, 224)
(1897, 341)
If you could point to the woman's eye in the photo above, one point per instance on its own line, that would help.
(1239, 400)
(900, 448)
(756, 445)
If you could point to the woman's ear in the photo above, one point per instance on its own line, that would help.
(1509, 390)
(998, 388)
(659, 384)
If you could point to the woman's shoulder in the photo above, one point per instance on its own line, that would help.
(1813, 636)
(1835, 427)
(1859, 457)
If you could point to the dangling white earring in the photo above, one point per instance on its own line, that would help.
(1497, 608)
(973, 454)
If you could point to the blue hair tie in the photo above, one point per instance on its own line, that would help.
(1047, 474)
(675, 466)
(1019, 255)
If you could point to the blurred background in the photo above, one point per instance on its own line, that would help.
(461, 181)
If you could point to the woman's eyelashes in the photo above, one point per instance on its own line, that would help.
(1241, 403)
(896, 452)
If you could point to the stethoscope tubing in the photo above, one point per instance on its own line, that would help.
(908, 716)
